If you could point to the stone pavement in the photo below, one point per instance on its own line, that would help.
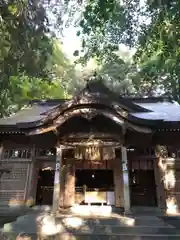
(172, 220)
(115, 226)
(9, 214)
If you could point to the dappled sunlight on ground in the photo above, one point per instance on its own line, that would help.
(92, 210)
(8, 227)
(44, 208)
(23, 236)
(47, 225)
(128, 221)
(73, 222)
(81, 220)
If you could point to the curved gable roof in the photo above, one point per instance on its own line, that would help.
(143, 111)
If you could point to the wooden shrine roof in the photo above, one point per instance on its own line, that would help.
(153, 112)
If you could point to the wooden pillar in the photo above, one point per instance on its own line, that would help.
(27, 179)
(62, 185)
(159, 184)
(118, 182)
(57, 177)
(159, 171)
(1, 170)
(36, 168)
(127, 209)
(69, 186)
(1, 151)
(30, 176)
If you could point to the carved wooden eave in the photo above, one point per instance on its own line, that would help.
(86, 102)
(89, 112)
(88, 99)
(93, 101)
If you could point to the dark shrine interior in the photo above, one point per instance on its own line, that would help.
(45, 186)
(101, 180)
(95, 179)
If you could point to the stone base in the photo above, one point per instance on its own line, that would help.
(127, 213)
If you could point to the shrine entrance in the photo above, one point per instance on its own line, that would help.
(94, 175)
(92, 135)
(94, 186)
(143, 188)
(45, 187)
(142, 183)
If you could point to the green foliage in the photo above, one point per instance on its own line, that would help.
(24, 45)
(152, 27)
(29, 54)
(23, 89)
(104, 24)
(23, 38)
(32, 64)
(159, 49)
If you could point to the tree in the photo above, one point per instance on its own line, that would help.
(22, 89)
(119, 73)
(24, 44)
(158, 52)
(32, 63)
(152, 27)
(62, 69)
(104, 24)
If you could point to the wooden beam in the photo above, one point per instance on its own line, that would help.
(93, 135)
(89, 113)
(42, 130)
(86, 144)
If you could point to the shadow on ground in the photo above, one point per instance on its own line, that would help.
(172, 220)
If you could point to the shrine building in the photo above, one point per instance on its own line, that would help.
(96, 148)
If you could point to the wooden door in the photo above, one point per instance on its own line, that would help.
(143, 188)
(45, 187)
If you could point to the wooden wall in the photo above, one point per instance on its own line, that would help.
(20, 182)
(13, 185)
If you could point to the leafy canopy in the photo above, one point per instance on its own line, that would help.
(32, 64)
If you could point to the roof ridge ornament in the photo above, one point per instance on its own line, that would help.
(92, 78)
(96, 85)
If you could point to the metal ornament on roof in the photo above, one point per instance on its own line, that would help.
(88, 113)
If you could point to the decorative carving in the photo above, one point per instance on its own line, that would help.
(94, 153)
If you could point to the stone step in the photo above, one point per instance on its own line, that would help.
(149, 221)
(29, 222)
(31, 227)
(92, 236)
(119, 227)
(123, 230)
(122, 221)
